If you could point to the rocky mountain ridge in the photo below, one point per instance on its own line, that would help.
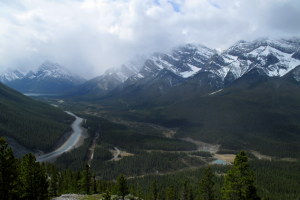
(203, 66)
(48, 78)
(184, 65)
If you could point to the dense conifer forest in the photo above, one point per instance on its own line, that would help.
(27, 179)
(149, 100)
(27, 121)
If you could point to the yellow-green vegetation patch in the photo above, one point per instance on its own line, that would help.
(91, 197)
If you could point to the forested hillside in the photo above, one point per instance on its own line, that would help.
(33, 124)
(26, 179)
(261, 114)
(255, 112)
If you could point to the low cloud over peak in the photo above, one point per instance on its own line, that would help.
(90, 36)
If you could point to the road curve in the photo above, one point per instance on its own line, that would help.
(72, 141)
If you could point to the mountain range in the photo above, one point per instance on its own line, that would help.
(49, 78)
(161, 113)
(188, 67)
(191, 69)
(246, 97)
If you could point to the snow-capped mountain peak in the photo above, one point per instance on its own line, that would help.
(11, 76)
(48, 78)
(273, 57)
(50, 70)
(184, 61)
(284, 45)
(199, 67)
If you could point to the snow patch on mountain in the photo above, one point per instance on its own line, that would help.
(215, 92)
(11, 75)
(193, 63)
(50, 70)
(273, 57)
(193, 70)
(45, 71)
(184, 61)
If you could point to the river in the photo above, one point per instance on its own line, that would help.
(72, 142)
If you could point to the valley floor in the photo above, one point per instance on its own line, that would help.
(143, 150)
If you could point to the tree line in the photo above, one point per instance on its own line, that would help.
(27, 123)
(26, 179)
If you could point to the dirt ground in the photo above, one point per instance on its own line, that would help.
(226, 157)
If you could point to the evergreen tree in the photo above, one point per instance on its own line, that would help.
(87, 179)
(53, 185)
(77, 184)
(68, 183)
(138, 192)
(185, 191)
(94, 184)
(107, 196)
(42, 181)
(170, 193)
(191, 195)
(8, 172)
(60, 183)
(73, 183)
(239, 181)
(33, 179)
(122, 188)
(206, 185)
(154, 190)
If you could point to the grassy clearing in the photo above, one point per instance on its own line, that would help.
(91, 197)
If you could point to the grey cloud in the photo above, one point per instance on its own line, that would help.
(90, 36)
(284, 17)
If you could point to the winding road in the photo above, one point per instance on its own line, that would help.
(70, 143)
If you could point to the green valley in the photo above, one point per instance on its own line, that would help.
(33, 124)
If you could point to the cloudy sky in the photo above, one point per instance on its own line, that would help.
(89, 36)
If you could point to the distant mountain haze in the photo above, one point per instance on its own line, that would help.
(48, 78)
(197, 67)
(185, 65)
